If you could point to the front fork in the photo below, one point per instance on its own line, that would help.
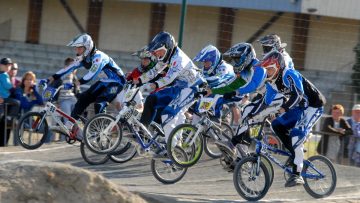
(41, 121)
(197, 133)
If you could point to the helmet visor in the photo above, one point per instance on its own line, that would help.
(236, 61)
(267, 49)
(160, 53)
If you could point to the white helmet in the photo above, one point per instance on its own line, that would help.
(83, 40)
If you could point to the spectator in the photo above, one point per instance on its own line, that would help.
(12, 74)
(335, 127)
(5, 100)
(66, 98)
(354, 142)
(5, 86)
(27, 93)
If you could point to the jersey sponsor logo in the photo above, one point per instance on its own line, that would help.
(94, 68)
(113, 90)
(174, 64)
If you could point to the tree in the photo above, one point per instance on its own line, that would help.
(356, 74)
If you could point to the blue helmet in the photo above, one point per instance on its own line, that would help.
(242, 55)
(209, 53)
(163, 40)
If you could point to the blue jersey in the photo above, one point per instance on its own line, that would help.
(100, 65)
(254, 77)
(298, 90)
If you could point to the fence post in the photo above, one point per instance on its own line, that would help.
(182, 22)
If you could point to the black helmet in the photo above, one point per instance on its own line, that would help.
(162, 40)
(271, 42)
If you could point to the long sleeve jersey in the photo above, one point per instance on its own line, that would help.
(182, 71)
(96, 63)
(299, 91)
(249, 80)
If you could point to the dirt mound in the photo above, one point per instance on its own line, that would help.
(35, 181)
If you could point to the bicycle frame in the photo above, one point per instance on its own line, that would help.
(263, 149)
(50, 110)
(128, 115)
(204, 121)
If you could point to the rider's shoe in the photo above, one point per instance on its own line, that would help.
(294, 180)
(228, 146)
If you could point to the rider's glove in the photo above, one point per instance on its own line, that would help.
(229, 95)
(43, 82)
(68, 86)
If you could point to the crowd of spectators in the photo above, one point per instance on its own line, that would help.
(340, 141)
(20, 96)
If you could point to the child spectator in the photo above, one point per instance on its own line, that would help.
(67, 98)
(12, 74)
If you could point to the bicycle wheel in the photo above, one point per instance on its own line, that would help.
(126, 150)
(166, 171)
(29, 134)
(227, 114)
(91, 157)
(182, 136)
(250, 183)
(210, 147)
(319, 176)
(95, 137)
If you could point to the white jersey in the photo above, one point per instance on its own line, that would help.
(152, 73)
(182, 71)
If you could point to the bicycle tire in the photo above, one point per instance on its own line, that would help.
(173, 167)
(94, 159)
(31, 125)
(307, 180)
(224, 136)
(242, 189)
(193, 152)
(227, 115)
(126, 150)
(91, 134)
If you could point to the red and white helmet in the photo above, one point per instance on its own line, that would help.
(273, 60)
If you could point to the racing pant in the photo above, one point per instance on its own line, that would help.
(101, 93)
(293, 127)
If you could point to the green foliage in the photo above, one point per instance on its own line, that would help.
(356, 74)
